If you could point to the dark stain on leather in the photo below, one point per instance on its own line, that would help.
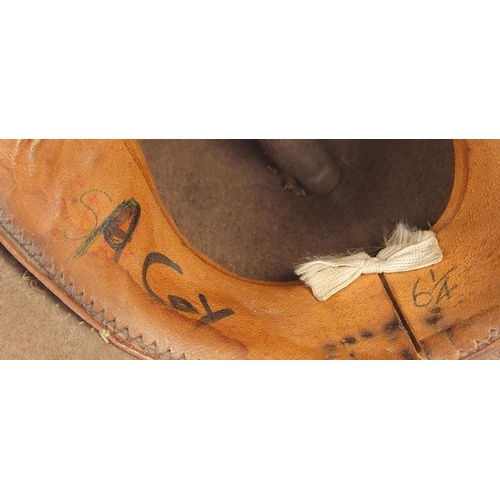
(392, 326)
(406, 354)
(432, 320)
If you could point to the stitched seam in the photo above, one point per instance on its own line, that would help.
(37, 257)
(493, 336)
(68, 289)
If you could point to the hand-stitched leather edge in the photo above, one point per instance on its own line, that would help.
(79, 300)
(464, 151)
(15, 242)
(483, 346)
(121, 338)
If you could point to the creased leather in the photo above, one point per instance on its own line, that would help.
(454, 311)
(86, 216)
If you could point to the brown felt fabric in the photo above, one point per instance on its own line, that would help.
(234, 210)
(36, 325)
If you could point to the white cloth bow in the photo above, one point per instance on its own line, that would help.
(406, 250)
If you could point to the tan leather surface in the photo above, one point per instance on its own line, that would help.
(66, 207)
(453, 308)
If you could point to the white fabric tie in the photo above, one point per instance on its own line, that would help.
(406, 250)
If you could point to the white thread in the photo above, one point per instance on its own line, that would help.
(406, 249)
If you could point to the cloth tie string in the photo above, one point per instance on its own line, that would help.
(406, 249)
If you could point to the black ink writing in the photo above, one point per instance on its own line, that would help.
(180, 303)
(156, 258)
(439, 291)
(117, 228)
